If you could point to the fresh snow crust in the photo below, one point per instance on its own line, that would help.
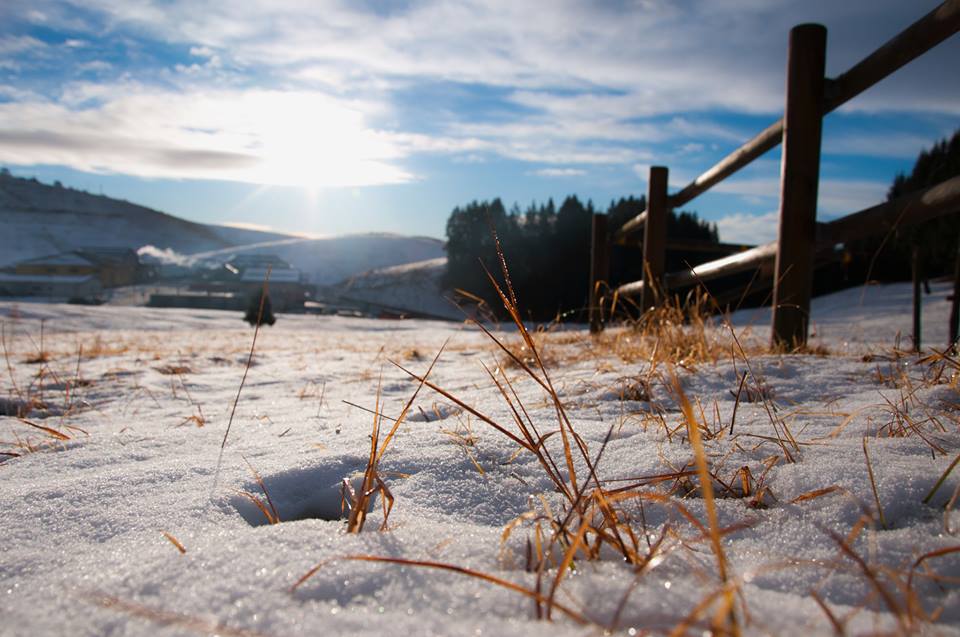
(83, 520)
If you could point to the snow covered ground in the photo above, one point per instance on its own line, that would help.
(91, 508)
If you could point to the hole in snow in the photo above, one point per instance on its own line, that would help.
(308, 493)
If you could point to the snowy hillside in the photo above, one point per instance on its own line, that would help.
(413, 286)
(329, 260)
(829, 515)
(39, 220)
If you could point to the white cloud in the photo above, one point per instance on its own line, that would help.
(201, 51)
(94, 66)
(265, 137)
(648, 57)
(748, 229)
(17, 52)
(882, 143)
(752, 187)
(14, 45)
(834, 196)
(585, 77)
(838, 197)
(560, 172)
(677, 178)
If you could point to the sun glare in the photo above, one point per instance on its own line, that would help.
(301, 139)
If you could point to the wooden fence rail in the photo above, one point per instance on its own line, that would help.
(809, 97)
(939, 200)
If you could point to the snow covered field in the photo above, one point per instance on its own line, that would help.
(92, 508)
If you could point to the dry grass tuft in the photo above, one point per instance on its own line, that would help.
(265, 506)
(174, 370)
(50, 439)
(594, 520)
(358, 503)
(591, 518)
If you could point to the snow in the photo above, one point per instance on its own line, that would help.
(83, 519)
(328, 260)
(45, 278)
(68, 258)
(40, 220)
(415, 287)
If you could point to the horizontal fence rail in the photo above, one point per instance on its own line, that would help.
(801, 240)
(920, 37)
(944, 198)
(936, 201)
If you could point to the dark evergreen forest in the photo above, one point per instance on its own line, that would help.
(547, 250)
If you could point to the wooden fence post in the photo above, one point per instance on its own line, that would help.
(655, 236)
(599, 269)
(955, 302)
(917, 295)
(799, 177)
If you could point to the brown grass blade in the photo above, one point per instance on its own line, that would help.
(468, 408)
(837, 626)
(175, 542)
(706, 485)
(243, 380)
(274, 515)
(926, 556)
(943, 478)
(406, 407)
(260, 505)
(874, 580)
(453, 568)
(565, 564)
(873, 486)
(53, 433)
(816, 493)
(166, 617)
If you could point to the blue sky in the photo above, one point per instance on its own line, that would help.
(325, 117)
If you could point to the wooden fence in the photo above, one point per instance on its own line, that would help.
(790, 260)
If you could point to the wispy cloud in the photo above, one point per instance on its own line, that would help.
(837, 197)
(879, 143)
(560, 172)
(254, 136)
(834, 196)
(580, 83)
(747, 228)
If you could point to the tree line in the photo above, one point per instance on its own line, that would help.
(547, 250)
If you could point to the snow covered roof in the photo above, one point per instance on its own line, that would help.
(64, 258)
(109, 254)
(46, 278)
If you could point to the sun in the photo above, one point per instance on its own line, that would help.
(312, 142)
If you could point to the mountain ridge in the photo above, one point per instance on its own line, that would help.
(39, 220)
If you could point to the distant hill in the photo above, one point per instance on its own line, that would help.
(39, 219)
(413, 286)
(330, 260)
